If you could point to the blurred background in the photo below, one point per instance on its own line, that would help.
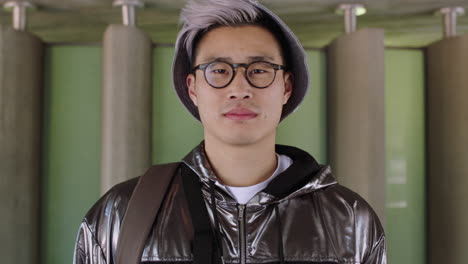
(86, 102)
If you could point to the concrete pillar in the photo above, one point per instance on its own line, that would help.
(126, 122)
(21, 58)
(447, 150)
(355, 109)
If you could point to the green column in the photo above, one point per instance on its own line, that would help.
(126, 105)
(21, 56)
(447, 156)
(355, 108)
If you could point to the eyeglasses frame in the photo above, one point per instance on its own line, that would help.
(234, 66)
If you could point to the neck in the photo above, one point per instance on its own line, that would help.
(241, 165)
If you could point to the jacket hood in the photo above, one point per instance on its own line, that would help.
(303, 176)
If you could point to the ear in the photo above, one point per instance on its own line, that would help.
(190, 81)
(288, 86)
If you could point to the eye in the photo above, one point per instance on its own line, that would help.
(260, 68)
(218, 71)
(258, 71)
(218, 68)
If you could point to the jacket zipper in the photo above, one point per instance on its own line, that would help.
(243, 246)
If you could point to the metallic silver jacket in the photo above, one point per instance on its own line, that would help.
(321, 221)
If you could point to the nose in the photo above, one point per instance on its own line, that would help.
(239, 88)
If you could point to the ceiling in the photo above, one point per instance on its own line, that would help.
(407, 23)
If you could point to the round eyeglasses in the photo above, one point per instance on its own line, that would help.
(219, 74)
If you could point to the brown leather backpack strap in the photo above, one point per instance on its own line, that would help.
(142, 210)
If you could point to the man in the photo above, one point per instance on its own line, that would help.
(240, 71)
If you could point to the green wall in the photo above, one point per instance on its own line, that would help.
(405, 160)
(71, 143)
(71, 146)
(306, 128)
(175, 132)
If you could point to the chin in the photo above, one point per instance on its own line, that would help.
(240, 134)
(240, 140)
(245, 137)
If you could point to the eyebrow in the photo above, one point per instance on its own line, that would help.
(249, 59)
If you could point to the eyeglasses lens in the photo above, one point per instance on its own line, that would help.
(218, 74)
(261, 74)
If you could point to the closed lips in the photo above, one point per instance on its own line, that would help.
(240, 114)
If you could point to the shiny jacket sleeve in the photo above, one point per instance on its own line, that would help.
(98, 233)
(370, 233)
(378, 254)
(368, 240)
(376, 243)
(87, 248)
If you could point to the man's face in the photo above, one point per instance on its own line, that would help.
(239, 114)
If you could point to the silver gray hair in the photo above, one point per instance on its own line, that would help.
(199, 16)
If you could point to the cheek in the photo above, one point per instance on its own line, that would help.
(208, 103)
(274, 103)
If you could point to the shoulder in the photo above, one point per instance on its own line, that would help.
(352, 204)
(111, 206)
(348, 209)
(95, 238)
(99, 231)
(107, 213)
(338, 195)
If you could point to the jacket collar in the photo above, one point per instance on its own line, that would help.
(304, 175)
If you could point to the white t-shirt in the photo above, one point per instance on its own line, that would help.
(244, 194)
